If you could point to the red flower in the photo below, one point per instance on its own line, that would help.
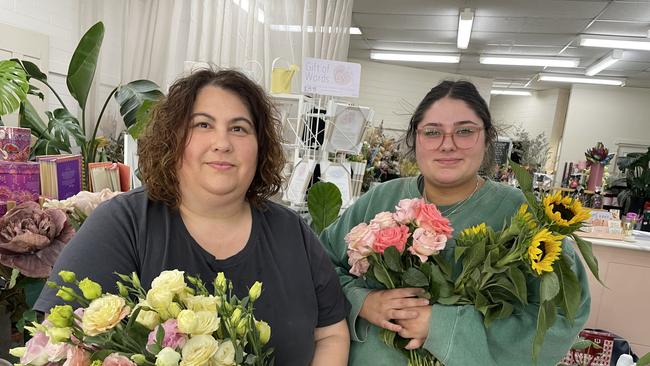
(391, 237)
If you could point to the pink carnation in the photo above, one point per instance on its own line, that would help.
(430, 219)
(407, 210)
(115, 359)
(360, 239)
(391, 237)
(426, 244)
(173, 337)
(383, 220)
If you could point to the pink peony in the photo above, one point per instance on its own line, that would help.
(407, 210)
(173, 337)
(391, 237)
(31, 238)
(426, 244)
(360, 239)
(430, 219)
(77, 356)
(115, 359)
(383, 220)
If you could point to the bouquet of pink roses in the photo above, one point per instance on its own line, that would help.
(398, 249)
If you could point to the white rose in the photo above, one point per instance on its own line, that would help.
(172, 281)
(199, 350)
(167, 357)
(225, 355)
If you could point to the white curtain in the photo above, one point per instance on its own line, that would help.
(151, 39)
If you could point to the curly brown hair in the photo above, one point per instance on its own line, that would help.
(161, 147)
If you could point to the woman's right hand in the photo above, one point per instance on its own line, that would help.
(383, 306)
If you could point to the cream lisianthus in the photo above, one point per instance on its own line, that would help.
(206, 323)
(147, 318)
(167, 357)
(103, 314)
(225, 355)
(199, 350)
(159, 299)
(172, 281)
(186, 321)
(264, 329)
(198, 303)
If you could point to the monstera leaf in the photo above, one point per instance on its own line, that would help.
(13, 86)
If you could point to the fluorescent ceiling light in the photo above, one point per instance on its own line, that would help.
(628, 43)
(465, 20)
(450, 58)
(581, 79)
(310, 29)
(510, 92)
(605, 62)
(529, 61)
(355, 30)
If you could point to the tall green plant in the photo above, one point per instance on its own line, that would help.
(62, 128)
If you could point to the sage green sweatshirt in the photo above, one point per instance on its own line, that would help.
(457, 336)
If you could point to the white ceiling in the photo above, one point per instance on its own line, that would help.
(505, 27)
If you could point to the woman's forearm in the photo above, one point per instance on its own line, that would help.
(332, 345)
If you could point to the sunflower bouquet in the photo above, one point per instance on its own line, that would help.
(177, 322)
(497, 266)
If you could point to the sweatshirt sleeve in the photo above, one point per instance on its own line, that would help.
(457, 335)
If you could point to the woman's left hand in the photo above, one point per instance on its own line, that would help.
(418, 328)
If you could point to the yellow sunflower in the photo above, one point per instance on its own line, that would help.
(564, 211)
(526, 216)
(480, 229)
(545, 248)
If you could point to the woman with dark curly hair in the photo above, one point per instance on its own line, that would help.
(210, 159)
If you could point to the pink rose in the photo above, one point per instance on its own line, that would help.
(407, 210)
(115, 359)
(391, 237)
(360, 239)
(383, 220)
(173, 337)
(77, 357)
(431, 219)
(358, 263)
(426, 244)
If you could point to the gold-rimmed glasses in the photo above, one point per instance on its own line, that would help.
(464, 137)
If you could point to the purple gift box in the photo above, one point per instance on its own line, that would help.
(14, 143)
(19, 181)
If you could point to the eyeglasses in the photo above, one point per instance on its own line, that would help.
(465, 137)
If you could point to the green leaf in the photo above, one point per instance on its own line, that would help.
(142, 119)
(131, 96)
(570, 290)
(101, 354)
(160, 336)
(13, 86)
(414, 277)
(519, 281)
(83, 64)
(545, 319)
(449, 300)
(393, 259)
(381, 276)
(324, 203)
(523, 177)
(588, 255)
(29, 316)
(63, 125)
(32, 70)
(582, 343)
(549, 287)
(29, 118)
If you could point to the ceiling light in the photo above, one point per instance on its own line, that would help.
(581, 79)
(529, 61)
(355, 30)
(629, 43)
(450, 58)
(510, 92)
(605, 62)
(465, 20)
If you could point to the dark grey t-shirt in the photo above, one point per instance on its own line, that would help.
(132, 233)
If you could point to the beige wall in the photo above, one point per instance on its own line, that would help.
(394, 91)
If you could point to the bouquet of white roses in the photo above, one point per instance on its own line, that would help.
(176, 322)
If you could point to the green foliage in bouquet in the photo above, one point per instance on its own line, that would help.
(178, 319)
(324, 203)
(56, 135)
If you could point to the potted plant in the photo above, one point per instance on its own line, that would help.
(55, 135)
(637, 180)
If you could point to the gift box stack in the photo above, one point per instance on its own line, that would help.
(19, 178)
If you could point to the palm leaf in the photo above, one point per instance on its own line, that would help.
(13, 86)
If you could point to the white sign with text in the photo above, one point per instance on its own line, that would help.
(326, 77)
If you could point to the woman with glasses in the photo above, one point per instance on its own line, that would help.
(452, 136)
